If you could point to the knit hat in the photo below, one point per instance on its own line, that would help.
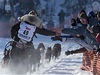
(91, 14)
(83, 16)
(98, 14)
(73, 22)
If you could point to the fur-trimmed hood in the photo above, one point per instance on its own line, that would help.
(32, 19)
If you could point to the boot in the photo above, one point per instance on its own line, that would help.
(68, 52)
(81, 50)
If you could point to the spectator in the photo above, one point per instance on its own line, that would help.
(61, 16)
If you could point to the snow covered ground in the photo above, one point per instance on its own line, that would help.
(65, 65)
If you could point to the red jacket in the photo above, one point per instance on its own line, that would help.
(98, 38)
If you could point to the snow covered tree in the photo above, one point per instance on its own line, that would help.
(73, 6)
(36, 4)
(50, 12)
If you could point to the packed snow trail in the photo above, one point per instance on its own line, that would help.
(65, 65)
(60, 68)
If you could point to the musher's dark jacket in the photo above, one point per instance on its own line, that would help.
(42, 31)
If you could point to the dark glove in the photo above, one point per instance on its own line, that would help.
(98, 50)
(56, 38)
(81, 37)
(96, 28)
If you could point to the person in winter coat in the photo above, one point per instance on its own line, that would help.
(61, 16)
(86, 47)
(23, 33)
(78, 30)
(83, 41)
(81, 29)
(27, 27)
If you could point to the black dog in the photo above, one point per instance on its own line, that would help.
(48, 54)
(6, 58)
(56, 50)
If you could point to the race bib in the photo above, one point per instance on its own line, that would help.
(26, 31)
